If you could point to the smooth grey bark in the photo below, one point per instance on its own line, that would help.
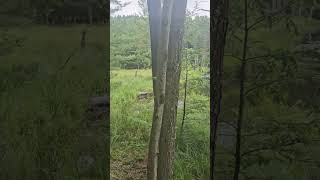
(160, 20)
(154, 8)
(173, 70)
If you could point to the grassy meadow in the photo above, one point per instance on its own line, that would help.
(131, 121)
(43, 101)
(131, 118)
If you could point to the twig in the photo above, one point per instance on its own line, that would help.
(233, 56)
(263, 85)
(68, 59)
(265, 148)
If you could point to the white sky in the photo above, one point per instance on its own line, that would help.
(133, 7)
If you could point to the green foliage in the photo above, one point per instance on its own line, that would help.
(130, 46)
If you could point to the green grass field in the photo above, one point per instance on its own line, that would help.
(131, 121)
(42, 110)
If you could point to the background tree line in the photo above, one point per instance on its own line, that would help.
(58, 11)
(130, 45)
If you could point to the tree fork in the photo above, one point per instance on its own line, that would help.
(160, 20)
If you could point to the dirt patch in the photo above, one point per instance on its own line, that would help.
(135, 169)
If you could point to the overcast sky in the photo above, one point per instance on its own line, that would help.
(133, 7)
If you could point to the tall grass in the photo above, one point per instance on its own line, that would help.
(42, 110)
(131, 121)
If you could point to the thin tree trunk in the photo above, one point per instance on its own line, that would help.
(47, 18)
(168, 129)
(300, 11)
(200, 63)
(154, 8)
(219, 28)
(300, 8)
(83, 39)
(185, 97)
(135, 75)
(90, 14)
(242, 96)
(309, 36)
(196, 61)
(311, 12)
(274, 5)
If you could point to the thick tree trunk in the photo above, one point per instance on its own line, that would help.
(168, 129)
(219, 28)
(237, 162)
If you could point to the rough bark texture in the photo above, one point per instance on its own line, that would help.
(168, 129)
(219, 28)
(237, 162)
